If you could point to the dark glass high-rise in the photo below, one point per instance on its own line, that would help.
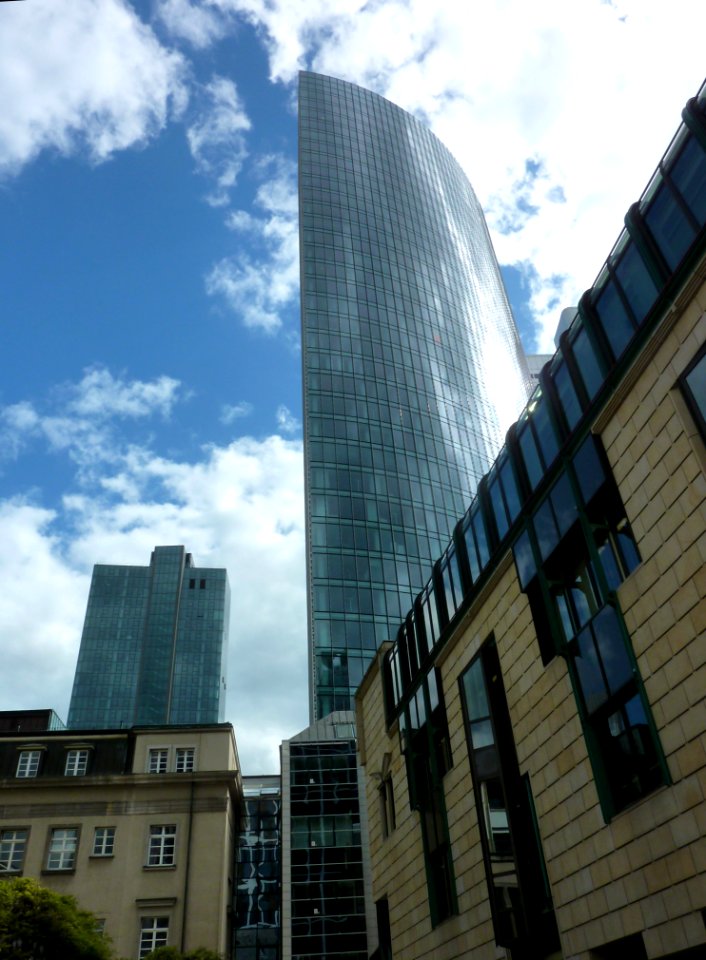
(154, 644)
(412, 367)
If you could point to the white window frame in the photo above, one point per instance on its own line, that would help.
(13, 847)
(103, 842)
(157, 759)
(184, 759)
(154, 932)
(63, 849)
(76, 762)
(28, 763)
(161, 849)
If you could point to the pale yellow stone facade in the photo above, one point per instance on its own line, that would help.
(193, 893)
(644, 872)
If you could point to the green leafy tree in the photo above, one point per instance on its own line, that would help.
(36, 922)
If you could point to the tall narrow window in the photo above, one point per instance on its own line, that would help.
(387, 799)
(184, 759)
(519, 892)
(162, 845)
(154, 932)
(103, 842)
(13, 844)
(28, 763)
(426, 746)
(63, 844)
(693, 385)
(76, 763)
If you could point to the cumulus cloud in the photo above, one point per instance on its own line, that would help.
(217, 137)
(88, 76)
(238, 506)
(42, 609)
(286, 421)
(259, 283)
(200, 24)
(80, 418)
(100, 394)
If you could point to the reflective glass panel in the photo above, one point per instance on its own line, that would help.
(689, 175)
(669, 226)
(638, 286)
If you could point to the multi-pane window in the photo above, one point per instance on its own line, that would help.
(76, 763)
(28, 763)
(577, 551)
(184, 759)
(157, 760)
(63, 843)
(154, 932)
(13, 844)
(162, 845)
(103, 841)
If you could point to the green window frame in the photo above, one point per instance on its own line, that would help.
(570, 569)
(516, 876)
(692, 383)
(425, 743)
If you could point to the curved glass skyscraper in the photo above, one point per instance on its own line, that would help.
(412, 363)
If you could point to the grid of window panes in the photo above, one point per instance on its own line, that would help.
(162, 844)
(154, 933)
(198, 682)
(76, 763)
(328, 904)
(105, 683)
(410, 358)
(258, 897)
(103, 842)
(63, 843)
(28, 763)
(157, 655)
(153, 646)
(13, 843)
(665, 232)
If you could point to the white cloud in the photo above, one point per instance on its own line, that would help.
(81, 418)
(99, 394)
(84, 76)
(239, 506)
(200, 24)
(286, 422)
(44, 597)
(231, 413)
(216, 138)
(590, 91)
(258, 284)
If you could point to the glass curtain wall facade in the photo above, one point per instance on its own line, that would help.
(327, 896)
(258, 893)
(412, 367)
(153, 648)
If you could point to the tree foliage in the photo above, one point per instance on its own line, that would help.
(36, 922)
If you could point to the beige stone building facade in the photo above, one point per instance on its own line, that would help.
(534, 740)
(138, 825)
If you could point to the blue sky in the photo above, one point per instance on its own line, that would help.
(150, 388)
